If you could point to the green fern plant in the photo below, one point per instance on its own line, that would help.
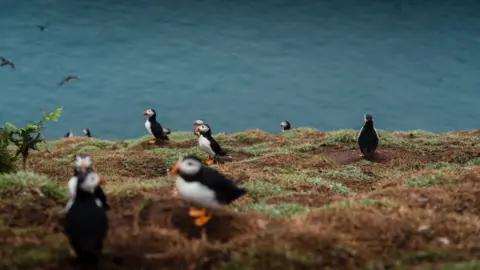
(28, 138)
(6, 160)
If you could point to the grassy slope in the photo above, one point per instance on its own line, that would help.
(313, 204)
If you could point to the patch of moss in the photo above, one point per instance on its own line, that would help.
(335, 186)
(442, 165)
(30, 182)
(428, 180)
(259, 189)
(347, 172)
(340, 137)
(473, 162)
(359, 203)
(256, 149)
(274, 210)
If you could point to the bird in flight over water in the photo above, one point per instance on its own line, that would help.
(6, 62)
(43, 27)
(68, 79)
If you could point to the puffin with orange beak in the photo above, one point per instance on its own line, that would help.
(285, 125)
(197, 123)
(153, 127)
(86, 221)
(208, 144)
(83, 166)
(204, 187)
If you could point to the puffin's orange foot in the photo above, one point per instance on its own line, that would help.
(210, 161)
(197, 213)
(152, 142)
(201, 221)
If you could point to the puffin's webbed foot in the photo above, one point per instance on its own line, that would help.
(210, 161)
(361, 155)
(201, 221)
(152, 141)
(197, 213)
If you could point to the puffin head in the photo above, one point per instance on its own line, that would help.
(83, 162)
(149, 112)
(198, 122)
(188, 165)
(202, 129)
(166, 131)
(367, 117)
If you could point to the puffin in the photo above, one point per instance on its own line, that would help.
(69, 134)
(166, 131)
(285, 125)
(87, 133)
(197, 123)
(83, 165)
(86, 221)
(208, 144)
(153, 127)
(203, 186)
(368, 138)
(6, 62)
(43, 27)
(68, 79)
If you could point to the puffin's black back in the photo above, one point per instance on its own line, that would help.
(86, 226)
(157, 129)
(368, 140)
(225, 190)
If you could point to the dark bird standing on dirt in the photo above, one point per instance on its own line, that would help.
(87, 133)
(5, 62)
(285, 125)
(86, 222)
(208, 144)
(43, 27)
(368, 138)
(199, 122)
(153, 127)
(203, 186)
(68, 79)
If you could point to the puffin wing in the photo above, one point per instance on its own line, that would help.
(225, 189)
(158, 132)
(216, 147)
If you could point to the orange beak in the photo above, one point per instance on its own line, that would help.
(175, 169)
(145, 113)
(83, 167)
(102, 181)
(196, 130)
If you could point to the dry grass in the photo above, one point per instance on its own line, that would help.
(313, 204)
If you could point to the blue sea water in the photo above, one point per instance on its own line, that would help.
(241, 64)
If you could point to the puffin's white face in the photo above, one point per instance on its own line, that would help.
(83, 161)
(85, 131)
(283, 124)
(149, 112)
(203, 128)
(92, 180)
(198, 122)
(189, 166)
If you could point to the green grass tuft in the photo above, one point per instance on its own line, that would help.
(30, 182)
(428, 180)
(347, 172)
(274, 210)
(442, 165)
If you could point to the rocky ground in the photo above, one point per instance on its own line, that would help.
(313, 204)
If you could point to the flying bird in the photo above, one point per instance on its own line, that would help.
(6, 62)
(43, 27)
(68, 79)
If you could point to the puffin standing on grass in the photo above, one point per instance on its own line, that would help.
(208, 144)
(203, 186)
(86, 221)
(153, 127)
(368, 138)
(199, 122)
(285, 125)
(87, 133)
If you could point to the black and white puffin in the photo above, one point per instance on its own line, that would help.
(153, 127)
(166, 131)
(199, 122)
(368, 138)
(83, 165)
(87, 133)
(208, 144)
(285, 125)
(204, 187)
(69, 134)
(86, 221)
